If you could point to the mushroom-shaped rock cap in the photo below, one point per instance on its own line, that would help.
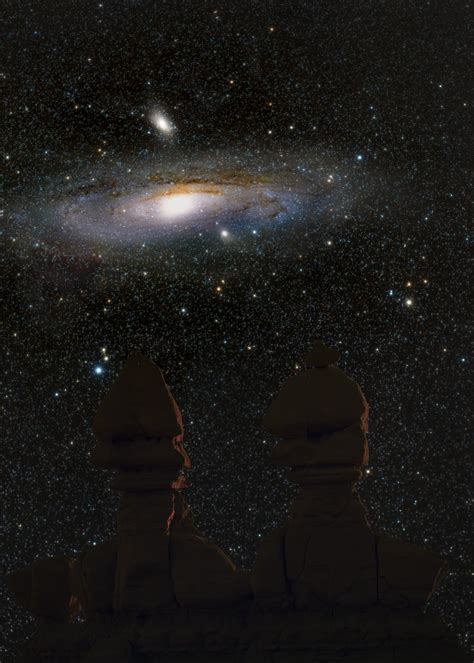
(321, 355)
(139, 405)
(317, 401)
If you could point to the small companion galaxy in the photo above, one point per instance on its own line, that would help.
(217, 185)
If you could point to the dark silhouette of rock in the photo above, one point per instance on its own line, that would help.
(44, 589)
(140, 434)
(138, 423)
(330, 555)
(93, 579)
(162, 561)
(325, 587)
(320, 400)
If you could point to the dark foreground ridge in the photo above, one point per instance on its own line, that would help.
(325, 586)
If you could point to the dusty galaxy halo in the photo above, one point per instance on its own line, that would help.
(129, 203)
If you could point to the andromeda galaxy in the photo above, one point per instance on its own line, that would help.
(157, 207)
(129, 203)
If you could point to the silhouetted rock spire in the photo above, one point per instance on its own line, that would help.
(162, 561)
(326, 554)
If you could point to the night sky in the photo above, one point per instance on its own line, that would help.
(217, 184)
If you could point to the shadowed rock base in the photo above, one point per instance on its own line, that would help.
(198, 637)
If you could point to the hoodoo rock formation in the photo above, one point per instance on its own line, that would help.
(162, 561)
(331, 556)
(325, 587)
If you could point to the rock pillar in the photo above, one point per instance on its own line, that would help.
(139, 430)
(326, 555)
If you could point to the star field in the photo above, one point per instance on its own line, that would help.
(288, 171)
